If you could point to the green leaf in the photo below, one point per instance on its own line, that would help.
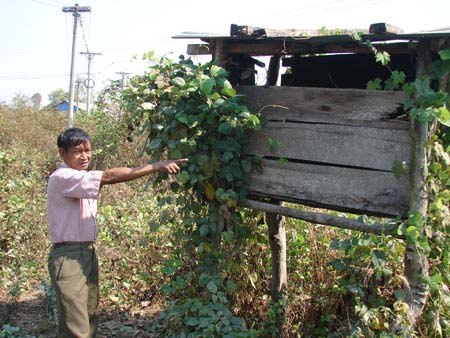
(443, 115)
(253, 121)
(178, 81)
(175, 154)
(219, 102)
(412, 234)
(204, 229)
(227, 173)
(183, 177)
(155, 143)
(445, 54)
(383, 57)
(246, 166)
(224, 128)
(374, 84)
(217, 71)
(227, 156)
(338, 265)
(192, 322)
(212, 287)
(409, 89)
(230, 92)
(183, 118)
(207, 86)
(226, 84)
(436, 278)
(400, 294)
(415, 219)
(220, 194)
(175, 187)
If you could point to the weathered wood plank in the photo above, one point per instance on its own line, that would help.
(275, 47)
(282, 114)
(363, 147)
(325, 219)
(347, 189)
(348, 104)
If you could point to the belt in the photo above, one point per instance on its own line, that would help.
(74, 244)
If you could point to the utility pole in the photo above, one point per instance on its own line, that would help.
(77, 84)
(76, 10)
(88, 83)
(122, 83)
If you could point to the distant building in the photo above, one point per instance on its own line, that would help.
(64, 106)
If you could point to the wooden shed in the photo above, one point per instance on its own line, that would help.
(327, 141)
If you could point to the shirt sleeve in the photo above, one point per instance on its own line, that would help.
(80, 183)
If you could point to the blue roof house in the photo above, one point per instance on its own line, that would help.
(64, 106)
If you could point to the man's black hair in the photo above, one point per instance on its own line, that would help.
(72, 137)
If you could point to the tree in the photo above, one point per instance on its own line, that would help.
(57, 96)
(36, 100)
(20, 100)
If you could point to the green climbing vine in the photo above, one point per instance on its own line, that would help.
(191, 111)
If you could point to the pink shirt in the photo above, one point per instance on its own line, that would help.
(72, 204)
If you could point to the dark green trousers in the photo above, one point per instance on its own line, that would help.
(73, 269)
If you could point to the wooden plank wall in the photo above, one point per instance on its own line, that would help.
(338, 147)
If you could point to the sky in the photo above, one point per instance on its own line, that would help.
(36, 36)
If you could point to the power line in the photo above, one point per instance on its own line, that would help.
(84, 36)
(45, 3)
(32, 77)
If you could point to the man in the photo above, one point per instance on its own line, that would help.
(71, 210)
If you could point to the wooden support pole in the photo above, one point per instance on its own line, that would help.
(274, 70)
(276, 229)
(325, 219)
(220, 52)
(277, 239)
(416, 263)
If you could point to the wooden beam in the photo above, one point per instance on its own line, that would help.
(319, 218)
(267, 48)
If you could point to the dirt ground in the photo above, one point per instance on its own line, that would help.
(32, 314)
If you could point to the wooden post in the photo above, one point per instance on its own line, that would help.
(220, 52)
(277, 239)
(274, 70)
(416, 263)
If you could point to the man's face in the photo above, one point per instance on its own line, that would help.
(78, 157)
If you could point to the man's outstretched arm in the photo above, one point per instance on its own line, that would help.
(118, 175)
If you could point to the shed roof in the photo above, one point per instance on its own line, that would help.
(292, 41)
